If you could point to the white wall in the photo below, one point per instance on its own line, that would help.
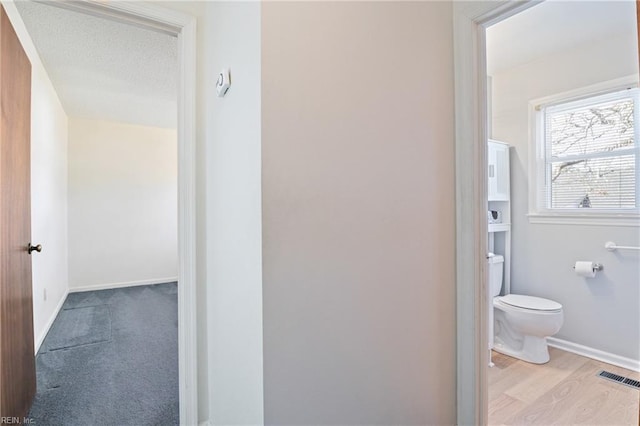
(233, 212)
(229, 278)
(122, 203)
(48, 201)
(358, 213)
(601, 313)
(48, 188)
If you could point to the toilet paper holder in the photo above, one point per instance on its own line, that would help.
(596, 267)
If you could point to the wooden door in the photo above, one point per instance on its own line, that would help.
(17, 360)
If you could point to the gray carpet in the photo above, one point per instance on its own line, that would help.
(111, 358)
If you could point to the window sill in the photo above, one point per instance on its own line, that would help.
(594, 219)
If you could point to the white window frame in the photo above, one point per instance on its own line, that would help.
(538, 210)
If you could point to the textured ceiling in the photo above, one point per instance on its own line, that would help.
(105, 70)
(554, 26)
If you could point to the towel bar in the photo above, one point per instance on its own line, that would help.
(611, 246)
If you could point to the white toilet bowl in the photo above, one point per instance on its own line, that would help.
(522, 325)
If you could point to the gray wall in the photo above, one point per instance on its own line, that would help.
(601, 313)
(358, 213)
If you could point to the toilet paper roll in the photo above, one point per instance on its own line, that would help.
(585, 268)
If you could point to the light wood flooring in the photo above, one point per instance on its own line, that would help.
(565, 391)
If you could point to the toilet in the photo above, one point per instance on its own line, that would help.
(521, 323)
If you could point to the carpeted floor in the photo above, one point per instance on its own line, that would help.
(111, 358)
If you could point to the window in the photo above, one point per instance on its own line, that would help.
(587, 154)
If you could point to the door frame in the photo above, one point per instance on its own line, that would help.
(470, 21)
(183, 26)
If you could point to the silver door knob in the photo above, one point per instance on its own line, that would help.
(31, 248)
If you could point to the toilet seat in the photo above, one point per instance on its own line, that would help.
(530, 303)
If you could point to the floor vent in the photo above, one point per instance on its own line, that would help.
(620, 379)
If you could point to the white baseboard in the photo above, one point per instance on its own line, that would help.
(124, 284)
(51, 320)
(609, 358)
(204, 423)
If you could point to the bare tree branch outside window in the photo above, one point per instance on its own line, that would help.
(590, 154)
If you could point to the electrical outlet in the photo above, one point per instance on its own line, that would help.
(45, 294)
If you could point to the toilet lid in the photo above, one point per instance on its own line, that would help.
(530, 302)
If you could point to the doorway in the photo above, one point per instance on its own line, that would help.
(472, 132)
(568, 187)
(182, 26)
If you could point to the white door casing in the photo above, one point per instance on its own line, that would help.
(471, 117)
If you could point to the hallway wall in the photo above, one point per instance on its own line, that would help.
(230, 316)
(358, 213)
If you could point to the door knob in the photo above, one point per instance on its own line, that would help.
(37, 248)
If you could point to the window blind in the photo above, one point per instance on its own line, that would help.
(590, 152)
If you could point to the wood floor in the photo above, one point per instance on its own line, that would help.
(565, 391)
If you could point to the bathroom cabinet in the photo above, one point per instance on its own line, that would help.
(498, 171)
(499, 199)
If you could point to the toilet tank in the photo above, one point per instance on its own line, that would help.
(495, 265)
